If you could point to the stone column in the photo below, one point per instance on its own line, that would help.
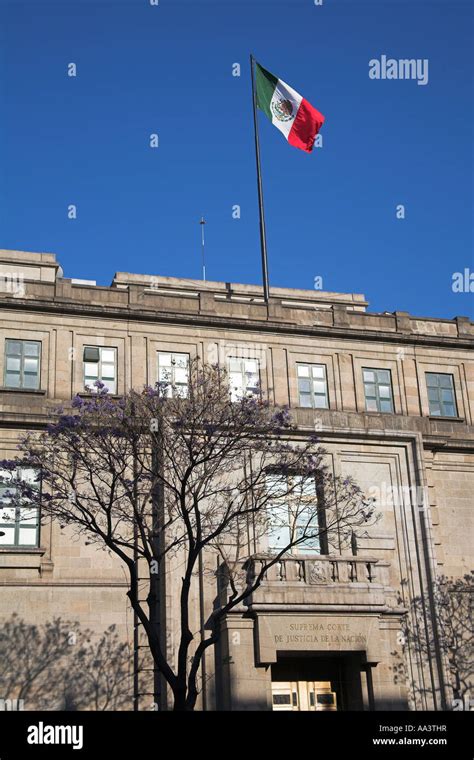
(412, 392)
(352, 674)
(243, 686)
(346, 382)
(368, 687)
(279, 375)
(66, 359)
(138, 370)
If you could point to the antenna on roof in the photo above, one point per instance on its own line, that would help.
(202, 223)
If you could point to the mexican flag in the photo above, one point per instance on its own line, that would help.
(297, 119)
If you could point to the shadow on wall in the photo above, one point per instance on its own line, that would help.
(453, 635)
(61, 666)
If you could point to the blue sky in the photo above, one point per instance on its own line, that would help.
(143, 69)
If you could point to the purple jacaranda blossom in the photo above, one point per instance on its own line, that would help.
(67, 422)
(151, 391)
(282, 417)
(8, 464)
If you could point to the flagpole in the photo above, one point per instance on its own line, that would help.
(263, 237)
(202, 223)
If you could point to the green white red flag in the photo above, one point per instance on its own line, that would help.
(293, 115)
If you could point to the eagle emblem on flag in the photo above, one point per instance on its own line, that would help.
(282, 109)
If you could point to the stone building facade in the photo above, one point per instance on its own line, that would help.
(392, 398)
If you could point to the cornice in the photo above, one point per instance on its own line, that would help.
(134, 314)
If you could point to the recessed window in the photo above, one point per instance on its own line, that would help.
(294, 512)
(22, 364)
(19, 520)
(312, 386)
(100, 364)
(441, 398)
(282, 699)
(173, 373)
(378, 390)
(244, 378)
(325, 699)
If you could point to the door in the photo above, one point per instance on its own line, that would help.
(303, 696)
(285, 695)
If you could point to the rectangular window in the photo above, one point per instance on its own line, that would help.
(22, 364)
(19, 521)
(244, 378)
(173, 372)
(441, 398)
(312, 386)
(293, 513)
(100, 364)
(378, 390)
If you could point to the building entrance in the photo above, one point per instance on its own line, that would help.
(315, 681)
(303, 695)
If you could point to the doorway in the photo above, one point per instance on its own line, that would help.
(318, 682)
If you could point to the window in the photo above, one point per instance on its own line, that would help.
(293, 513)
(19, 521)
(378, 390)
(22, 364)
(441, 398)
(173, 370)
(282, 699)
(325, 699)
(244, 378)
(312, 386)
(100, 364)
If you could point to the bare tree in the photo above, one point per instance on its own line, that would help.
(163, 476)
(59, 665)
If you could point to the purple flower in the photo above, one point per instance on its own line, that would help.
(152, 392)
(67, 422)
(282, 417)
(8, 464)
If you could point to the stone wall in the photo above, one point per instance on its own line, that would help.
(428, 461)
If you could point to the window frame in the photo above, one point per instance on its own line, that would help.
(7, 355)
(377, 383)
(246, 393)
(439, 399)
(312, 379)
(172, 382)
(19, 524)
(90, 388)
(321, 544)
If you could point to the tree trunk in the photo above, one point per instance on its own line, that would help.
(180, 702)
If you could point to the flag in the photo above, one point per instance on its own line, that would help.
(297, 120)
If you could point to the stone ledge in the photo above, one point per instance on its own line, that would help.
(346, 323)
(27, 391)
